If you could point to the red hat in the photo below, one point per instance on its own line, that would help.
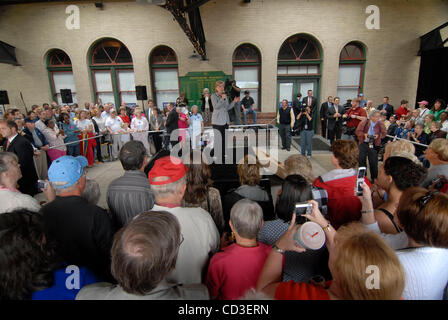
(170, 167)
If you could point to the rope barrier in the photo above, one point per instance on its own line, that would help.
(396, 138)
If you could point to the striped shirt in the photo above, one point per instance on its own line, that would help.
(128, 196)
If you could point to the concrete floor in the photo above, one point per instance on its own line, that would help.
(105, 173)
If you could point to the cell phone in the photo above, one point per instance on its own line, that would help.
(362, 171)
(41, 184)
(302, 208)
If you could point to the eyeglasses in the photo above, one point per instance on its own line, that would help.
(181, 239)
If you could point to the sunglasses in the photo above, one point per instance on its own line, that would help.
(424, 200)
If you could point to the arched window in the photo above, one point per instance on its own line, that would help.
(164, 75)
(298, 71)
(351, 71)
(112, 73)
(246, 70)
(60, 73)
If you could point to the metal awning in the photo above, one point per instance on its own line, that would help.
(8, 54)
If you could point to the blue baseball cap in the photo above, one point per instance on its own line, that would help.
(66, 171)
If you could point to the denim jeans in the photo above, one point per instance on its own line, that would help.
(306, 141)
(73, 150)
(249, 111)
(285, 134)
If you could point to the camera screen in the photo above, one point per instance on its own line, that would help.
(361, 173)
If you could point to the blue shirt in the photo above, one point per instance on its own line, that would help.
(69, 130)
(59, 290)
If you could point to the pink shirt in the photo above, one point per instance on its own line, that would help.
(235, 270)
(182, 124)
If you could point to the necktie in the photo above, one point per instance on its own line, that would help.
(7, 145)
(309, 101)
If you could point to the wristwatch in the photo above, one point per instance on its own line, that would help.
(276, 248)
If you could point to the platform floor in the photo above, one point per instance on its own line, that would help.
(105, 173)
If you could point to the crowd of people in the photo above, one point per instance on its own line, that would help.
(168, 234)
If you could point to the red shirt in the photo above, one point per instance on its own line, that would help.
(300, 291)
(235, 270)
(353, 123)
(125, 119)
(401, 112)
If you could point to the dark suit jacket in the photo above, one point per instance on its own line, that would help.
(323, 110)
(296, 105)
(29, 136)
(313, 103)
(24, 151)
(389, 109)
(332, 123)
(172, 121)
(209, 103)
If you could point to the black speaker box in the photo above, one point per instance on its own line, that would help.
(66, 96)
(4, 97)
(141, 92)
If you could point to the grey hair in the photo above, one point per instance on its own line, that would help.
(373, 113)
(203, 91)
(247, 217)
(194, 106)
(164, 190)
(5, 160)
(92, 192)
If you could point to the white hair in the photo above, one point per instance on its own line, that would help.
(164, 190)
(247, 217)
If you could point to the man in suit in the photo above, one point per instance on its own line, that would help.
(323, 115)
(172, 122)
(334, 116)
(310, 101)
(386, 108)
(19, 145)
(40, 145)
(296, 106)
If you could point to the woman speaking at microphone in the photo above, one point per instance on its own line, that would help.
(220, 116)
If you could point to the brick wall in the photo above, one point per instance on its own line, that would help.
(391, 69)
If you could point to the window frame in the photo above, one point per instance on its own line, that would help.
(158, 66)
(361, 62)
(51, 69)
(249, 63)
(112, 67)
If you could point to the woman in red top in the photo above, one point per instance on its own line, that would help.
(356, 255)
(403, 109)
(124, 116)
(183, 124)
(237, 267)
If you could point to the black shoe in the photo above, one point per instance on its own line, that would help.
(283, 148)
(288, 149)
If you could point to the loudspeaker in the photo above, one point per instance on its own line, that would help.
(4, 97)
(66, 96)
(141, 92)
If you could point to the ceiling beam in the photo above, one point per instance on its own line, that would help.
(195, 5)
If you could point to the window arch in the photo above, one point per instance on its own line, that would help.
(60, 74)
(351, 70)
(298, 61)
(164, 74)
(112, 73)
(247, 69)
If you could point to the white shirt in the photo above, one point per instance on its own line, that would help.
(105, 115)
(100, 123)
(12, 138)
(139, 124)
(84, 124)
(200, 238)
(395, 241)
(13, 200)
(445, 126)
(114, 123)
(426, 271)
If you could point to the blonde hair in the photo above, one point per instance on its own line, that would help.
(138, 109)
(440, 147)
(357, 250)
(219, 83)
(300, 165)
(398, 146)
(249, 171)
